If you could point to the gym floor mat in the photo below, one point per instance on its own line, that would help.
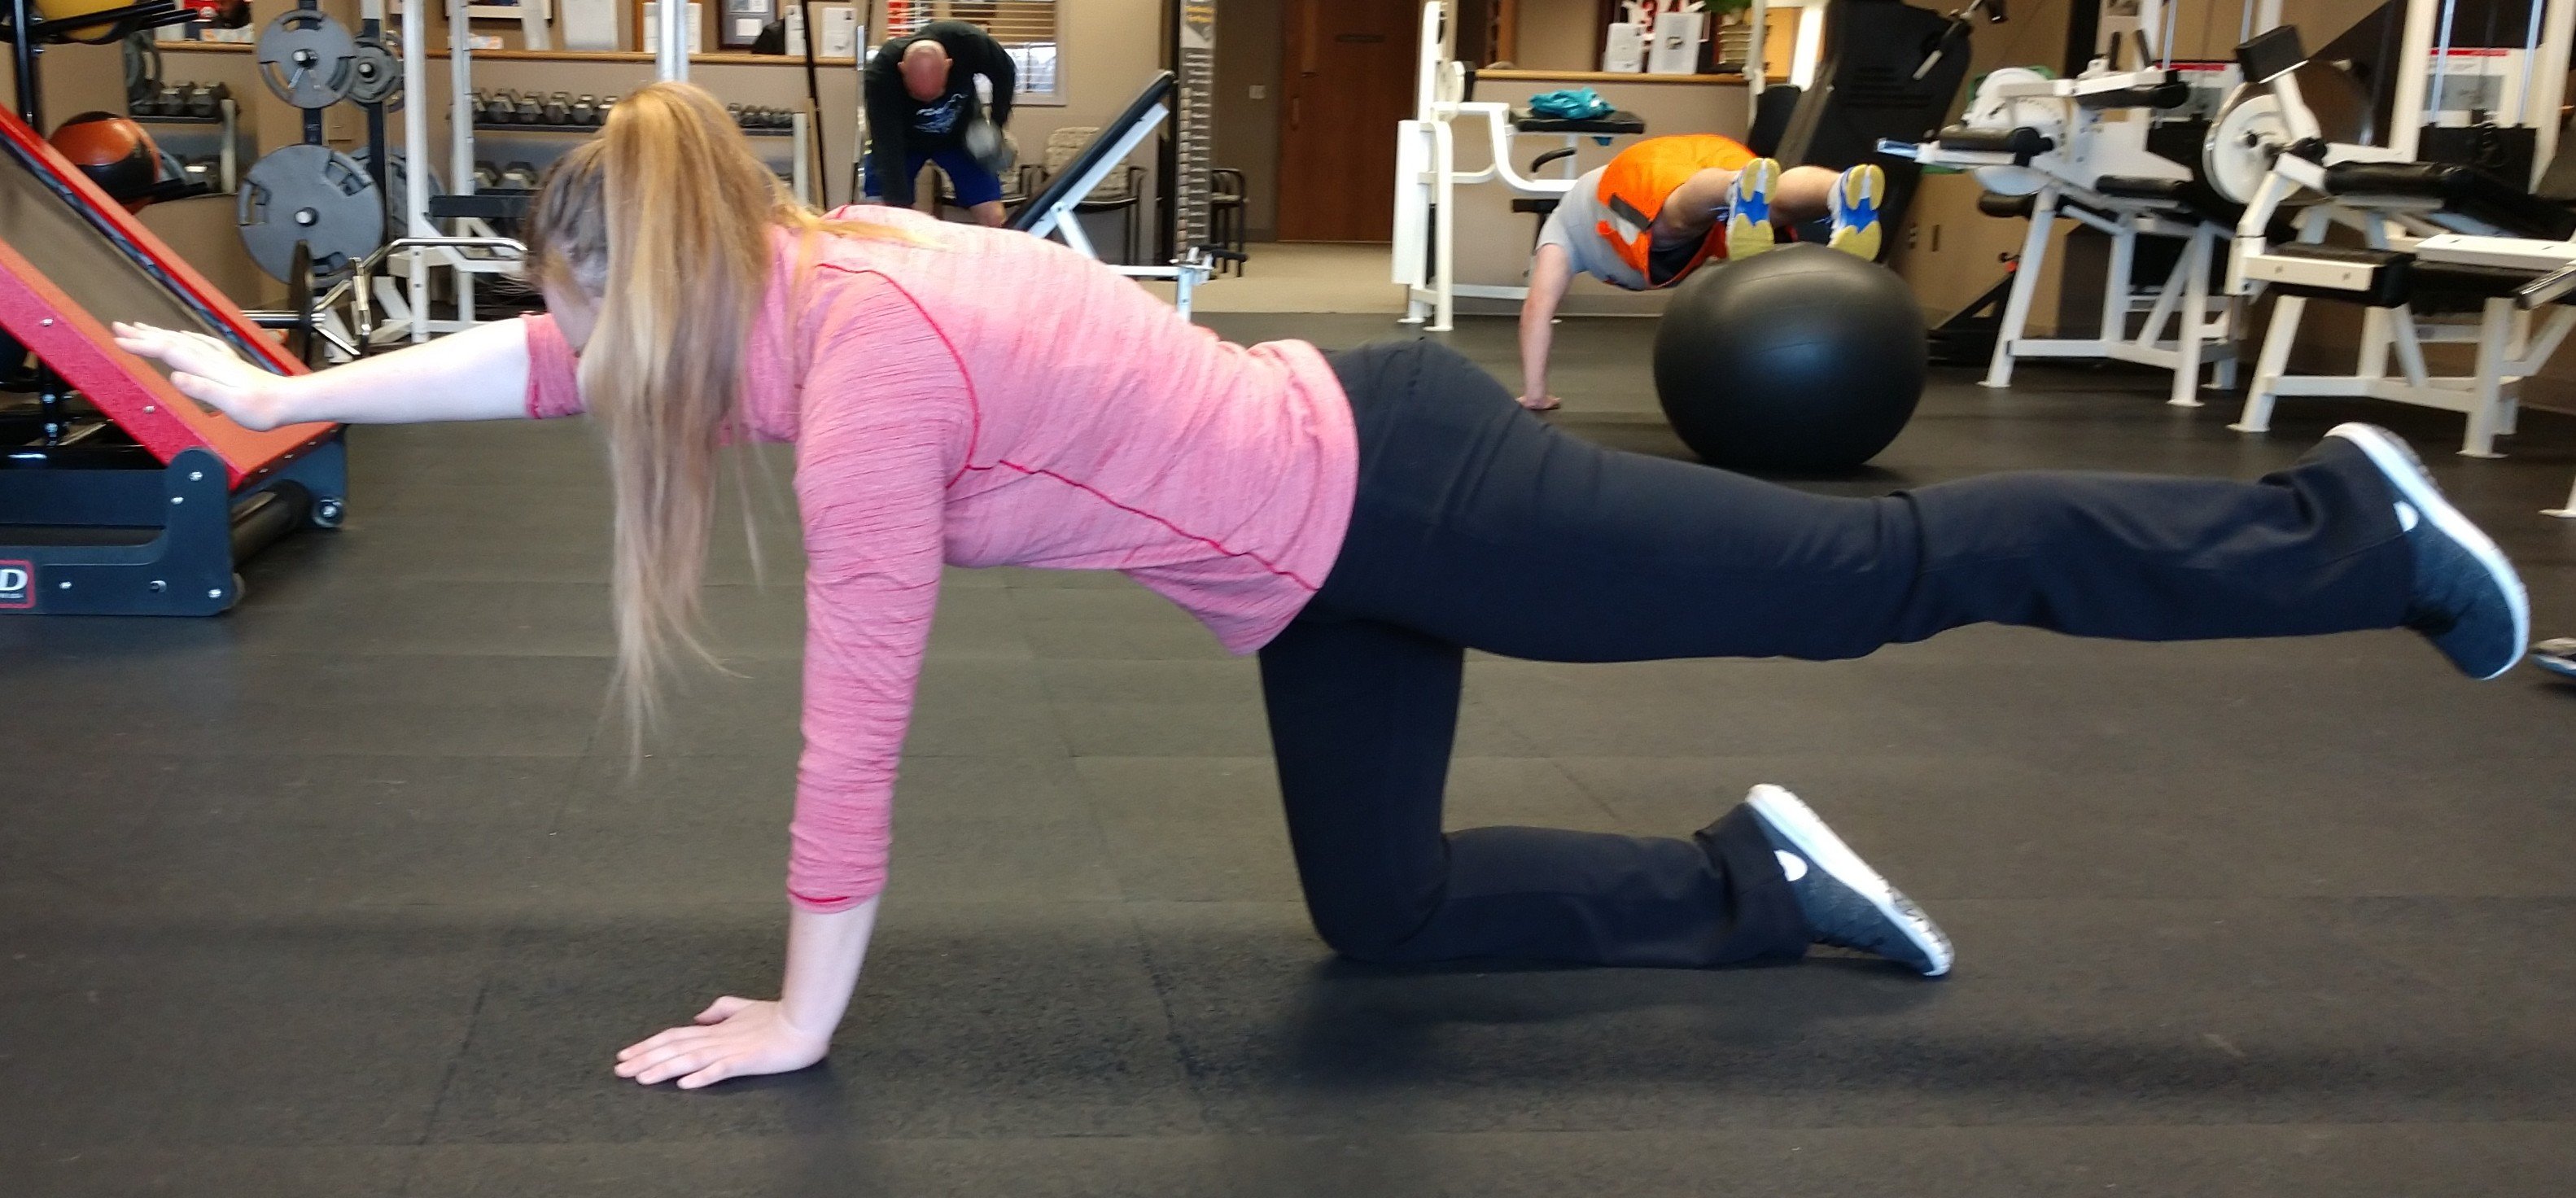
(348, 893)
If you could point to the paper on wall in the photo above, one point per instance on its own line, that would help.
(588, 24)
(840, 31)
(1623, 51)
(653, 28)
(840, 25)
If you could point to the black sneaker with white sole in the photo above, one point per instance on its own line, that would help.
(1846, 903)
(2467, 599)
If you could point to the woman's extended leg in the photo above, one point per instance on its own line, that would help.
(1484, 526)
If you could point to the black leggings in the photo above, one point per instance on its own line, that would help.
(1480, 526)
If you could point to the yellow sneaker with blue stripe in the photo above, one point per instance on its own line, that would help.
(1857, 195)
(1748, 208)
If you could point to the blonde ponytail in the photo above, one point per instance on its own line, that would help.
(664, 220)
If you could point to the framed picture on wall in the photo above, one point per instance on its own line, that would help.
(509, 10)
(743, 21)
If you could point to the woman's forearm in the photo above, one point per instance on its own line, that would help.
(478, 374)
(823, 956)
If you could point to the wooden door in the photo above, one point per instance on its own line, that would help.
(1348, 73)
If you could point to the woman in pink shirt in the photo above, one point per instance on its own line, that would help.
(975, 397)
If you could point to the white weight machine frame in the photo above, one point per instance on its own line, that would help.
(2509, 347)
(2091, 143)
(1058, 217)
(1427, 178)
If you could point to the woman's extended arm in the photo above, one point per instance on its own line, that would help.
(478, 374)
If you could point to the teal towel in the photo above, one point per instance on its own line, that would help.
(1571, 104)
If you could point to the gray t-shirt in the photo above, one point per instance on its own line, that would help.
(1576, 225)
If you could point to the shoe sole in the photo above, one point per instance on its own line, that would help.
(1860, 238)
(1747, 235)
(2406, 472)
(1791, 817)
(2558, 657)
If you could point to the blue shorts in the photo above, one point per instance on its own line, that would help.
(974, 183)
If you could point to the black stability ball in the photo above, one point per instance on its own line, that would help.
(1803, 358)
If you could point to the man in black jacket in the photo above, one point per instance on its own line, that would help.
(924, 105)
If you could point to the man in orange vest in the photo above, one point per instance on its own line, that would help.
(1666, 205)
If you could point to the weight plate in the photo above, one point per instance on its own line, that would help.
(1988, 110)
(397, 186)
(375, 77)
(2242, 142)
(313, 194)
(2343, 107)
(307, 58)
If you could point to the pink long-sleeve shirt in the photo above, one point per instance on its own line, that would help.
(986, 398)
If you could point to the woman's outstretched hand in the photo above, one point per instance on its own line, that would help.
(734, 1037)
(208, 371)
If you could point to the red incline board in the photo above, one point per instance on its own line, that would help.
(72, 260)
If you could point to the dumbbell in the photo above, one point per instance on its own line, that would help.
(532, 110)
(519, 175)
(201, 100)
(486, 175)
(559, 108)
(585, 111)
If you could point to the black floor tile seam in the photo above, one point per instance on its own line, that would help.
(446, 1082)
(1599, 806)
(1193, 1068)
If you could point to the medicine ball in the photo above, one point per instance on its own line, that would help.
(1803, 358)
(115, 153)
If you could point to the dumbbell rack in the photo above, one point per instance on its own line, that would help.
(797, 129)
(180, 132)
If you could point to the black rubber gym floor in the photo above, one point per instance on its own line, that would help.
(348, 894)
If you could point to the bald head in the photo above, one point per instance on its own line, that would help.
(925, 70)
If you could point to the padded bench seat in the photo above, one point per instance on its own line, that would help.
(490, 203)
(2192, 195)
(2377, 278)
(2465, 190)
(1620, 123)
(2023, 144)
(2388, 278)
